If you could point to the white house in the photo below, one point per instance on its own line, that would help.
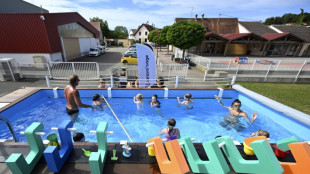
(142, 32)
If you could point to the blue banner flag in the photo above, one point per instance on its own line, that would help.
(146, 66)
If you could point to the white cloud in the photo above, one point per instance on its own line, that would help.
(163, 12)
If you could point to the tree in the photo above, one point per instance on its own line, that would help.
(163, 36)
(301, 17)
(185, 34)
(153, 36)
(121, 32)
(103, 25)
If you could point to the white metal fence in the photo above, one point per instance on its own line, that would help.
(85, 70)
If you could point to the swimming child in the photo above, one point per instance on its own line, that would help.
(235, 113)
(261, 132)
(171, 132)
(138, 99)
(187, 102)
(155, 102)
(98, 103)
(78, 137)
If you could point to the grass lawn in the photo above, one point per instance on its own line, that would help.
(296, 96)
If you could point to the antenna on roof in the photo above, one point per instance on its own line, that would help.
(192, 11)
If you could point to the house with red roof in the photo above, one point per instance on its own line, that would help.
(230, 37)
(55, 37)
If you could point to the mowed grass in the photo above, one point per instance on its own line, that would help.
(296, 96)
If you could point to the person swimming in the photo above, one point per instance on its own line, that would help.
(138, 99)
(98, 103)
(171, 133)
(235, 113)
(187, 101)
(155, 102)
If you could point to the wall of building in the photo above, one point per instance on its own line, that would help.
(26, 60)
(86, 44)
(237, 49)
(56, 57)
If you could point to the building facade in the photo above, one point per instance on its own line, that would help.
(54, 37)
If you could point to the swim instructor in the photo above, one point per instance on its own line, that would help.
(73, 99)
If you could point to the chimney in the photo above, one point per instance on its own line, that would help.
(196, 17)
(202, 21)
(202, 16)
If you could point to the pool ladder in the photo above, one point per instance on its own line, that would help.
(10, 127)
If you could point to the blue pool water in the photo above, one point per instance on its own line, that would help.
(202, 122)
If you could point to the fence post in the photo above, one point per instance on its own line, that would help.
(20, 72)
(267, 72)
(186, 72)
(98, 71)
(300, 71)
(73, 69)
(111, 77)
(278, 65)
(169, 70)
(47, 81)
(253, 65)
(176, 81)
(237, 70)
(233, 80)
(49, 69)
(229, 64)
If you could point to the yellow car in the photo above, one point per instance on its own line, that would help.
(130, 58)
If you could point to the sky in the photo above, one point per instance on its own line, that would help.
(132, 13)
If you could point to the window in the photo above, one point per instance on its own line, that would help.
(145, 40)
(139, 33)
(146, 33)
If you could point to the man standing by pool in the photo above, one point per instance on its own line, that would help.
(73, 99)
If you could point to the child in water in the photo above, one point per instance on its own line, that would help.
(138, 99)
(98, 103)
(171, 132)
(187, 102)
(155, 102)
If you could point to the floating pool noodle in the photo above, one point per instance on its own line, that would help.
(17, 163)
(55, 158)
(266, 163)
(216, 163)
(97, 159)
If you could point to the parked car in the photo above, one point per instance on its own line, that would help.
(101, 49)
(130, 58)
(94, 52)
(131, 52)
(133, 47)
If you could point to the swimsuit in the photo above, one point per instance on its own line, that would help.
(72, 111)
(158, 104)
(234, 121)
(172, 136)
(99, 107)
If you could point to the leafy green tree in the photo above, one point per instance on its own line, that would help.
(153, 36)
(301, 17)
(163, 36)
(185, 34)
(121, 32)
(103, 25)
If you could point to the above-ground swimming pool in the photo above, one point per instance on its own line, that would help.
(201, 122)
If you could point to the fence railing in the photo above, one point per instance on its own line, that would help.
(172, 82)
